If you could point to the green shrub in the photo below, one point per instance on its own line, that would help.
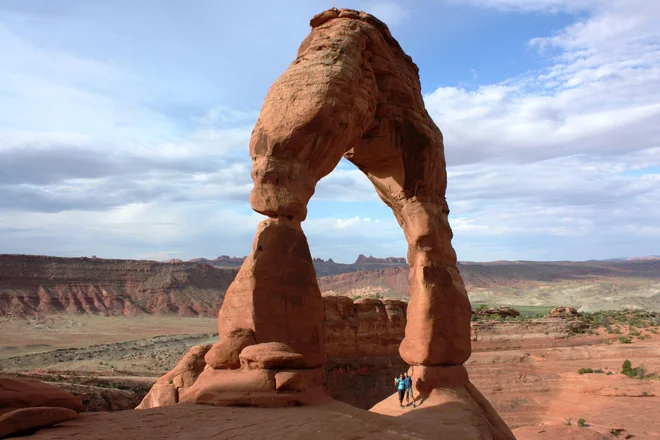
(635, 373)
(582, 423)
(625, 340)
(585, 371)
(626, 368)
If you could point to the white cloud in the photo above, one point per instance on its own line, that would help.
(556, 153)
(98, 155)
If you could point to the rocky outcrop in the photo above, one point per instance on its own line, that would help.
(361, 259)
(564, 312)
(364, 328)
(16, 393)
(167, 389)
(361, 341)
(221, 261)
(502, 312)
(34, 286)
(27, 420)
(389, 282)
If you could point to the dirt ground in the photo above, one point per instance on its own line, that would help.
(21, 336)
(535, 386)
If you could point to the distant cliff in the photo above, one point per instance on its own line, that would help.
(361, 259)
(37, 286)
(323, 267)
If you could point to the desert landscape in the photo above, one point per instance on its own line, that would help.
(279, 344)
(531, 366)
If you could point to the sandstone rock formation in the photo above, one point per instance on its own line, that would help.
(27, 420)
(361, 340)
(167, 389)
(16, 393)
(351, 92)
(564, 312)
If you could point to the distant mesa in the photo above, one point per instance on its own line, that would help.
(361, 259)
(221, 261)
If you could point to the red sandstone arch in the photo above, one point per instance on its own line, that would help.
(351, 92)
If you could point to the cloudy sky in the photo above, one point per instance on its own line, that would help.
(124, 126)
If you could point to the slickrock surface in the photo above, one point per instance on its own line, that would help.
(23, 393)
(27, 420)
(330, 421)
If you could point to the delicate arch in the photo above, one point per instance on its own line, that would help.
(351, 92)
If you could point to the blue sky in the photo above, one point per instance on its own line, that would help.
(124, 126)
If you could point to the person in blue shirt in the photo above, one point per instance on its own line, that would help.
(409, 389)
(400, 383)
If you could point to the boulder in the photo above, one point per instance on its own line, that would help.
(27, 420)
(270, 356)
(224, 353)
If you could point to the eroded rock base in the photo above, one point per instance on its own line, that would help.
(444, 397)
(260, 388)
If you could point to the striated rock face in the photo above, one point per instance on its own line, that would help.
(366, 327)
(32, 286)
(390, 281)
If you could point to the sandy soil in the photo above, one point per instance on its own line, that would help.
(20, 336)
(535, 386)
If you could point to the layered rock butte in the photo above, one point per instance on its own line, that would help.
(351, 92)
(37, 286)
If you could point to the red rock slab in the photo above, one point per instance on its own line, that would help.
(329, 421)
(27, 420)
(22, 393)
